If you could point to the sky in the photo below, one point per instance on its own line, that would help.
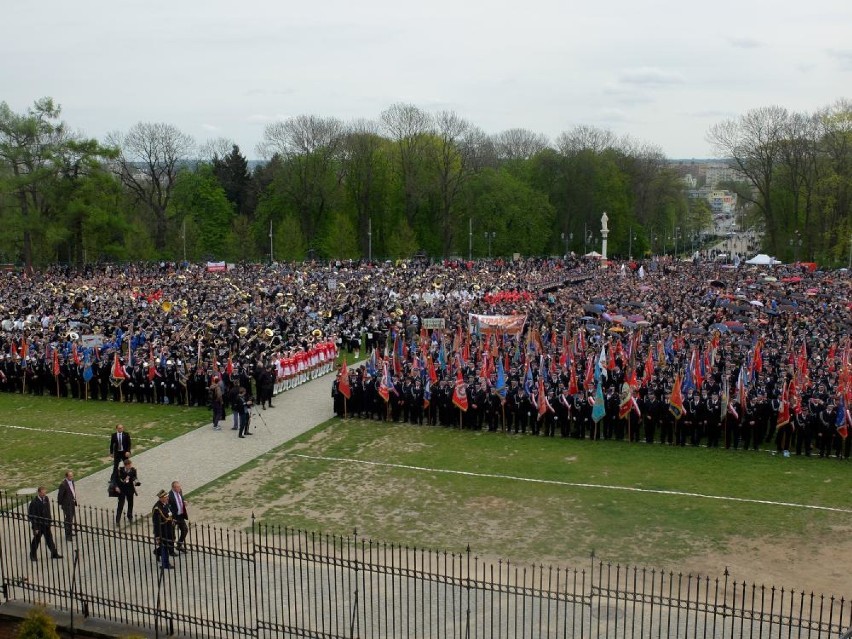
(662, 72)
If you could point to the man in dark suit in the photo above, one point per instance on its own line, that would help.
(164, 530)
(119, 447)
(68, 501)
(39, 515)
(178, 508)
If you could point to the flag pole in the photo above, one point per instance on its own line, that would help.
(344, 407)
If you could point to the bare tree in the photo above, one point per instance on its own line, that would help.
(409, 128)
(753, 142)
(215, 149)
(585, 138)
(519, 144)
(310, 147)
(150, 156)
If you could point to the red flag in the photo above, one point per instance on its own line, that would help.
(784, 411)
(648, 375)
(430, 370)
(589, 380)
(676, 399)
(74, 354)
(460, 393)
(152, 363)
(343, 381)
(626, 404)
(56, 363)
(14, 351)
(24, 347)
(229, 369)
(117, 368)
(543, 405)
(572, 383)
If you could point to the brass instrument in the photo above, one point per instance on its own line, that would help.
(166, 306)
(242, 331)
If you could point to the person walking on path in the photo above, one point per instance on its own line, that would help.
(38, 514)
(128, 480)
(67, 499)
(215, 393)
(177, 505)
(164, 532)
(120, 446)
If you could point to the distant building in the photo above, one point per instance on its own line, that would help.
(718, 172)
(689, 180)
(722, 202)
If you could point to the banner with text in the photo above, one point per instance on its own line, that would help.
(496, 323)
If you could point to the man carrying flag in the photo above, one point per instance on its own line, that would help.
(784, 426)
(343, 389)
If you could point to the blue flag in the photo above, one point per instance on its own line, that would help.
(87, 369)
(501, 378)
(599, 409)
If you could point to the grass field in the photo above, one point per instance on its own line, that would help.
(45, 436)
(505, 515)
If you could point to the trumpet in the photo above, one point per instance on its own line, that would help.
(166, 306)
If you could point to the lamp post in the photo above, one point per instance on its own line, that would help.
(271, 255)
(470, 239)
(567, 237)
(676, 234)
(850, 252)
(370, 239)
(630, 244)
(490, 237)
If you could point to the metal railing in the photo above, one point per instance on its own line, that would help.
(275, 581)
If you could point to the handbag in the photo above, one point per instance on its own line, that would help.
(112, 489)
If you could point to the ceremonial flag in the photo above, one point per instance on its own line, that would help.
(543, 405)
(343, 382)
(842, 418)
(427, 393)
(572, 383)
(117, 368)
(152, 363)
(460, 393)
(676, 398)
(87, 368)
(528, 381)
(229, 368)
(626, 403)
(601, 364)
(589, 378)
(599, 409)
(384, 389)
(501, 379)
(74, 354)
(430, 370)
(55, 362)
(742, 396)
(784, 410)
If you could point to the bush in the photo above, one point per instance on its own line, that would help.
(38, 625)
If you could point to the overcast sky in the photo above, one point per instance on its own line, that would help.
(660, 71)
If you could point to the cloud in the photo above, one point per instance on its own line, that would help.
(613, 115)
(263, 118)
(209, 127)
(710, 113)
(844, 56)
(650, 77)
(625, 95)
(744, 42)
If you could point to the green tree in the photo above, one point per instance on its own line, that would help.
(232, 172)
(37, 152)
(199, 197)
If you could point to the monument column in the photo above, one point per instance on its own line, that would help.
(604, 234)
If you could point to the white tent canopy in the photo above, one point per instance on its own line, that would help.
(761, 259)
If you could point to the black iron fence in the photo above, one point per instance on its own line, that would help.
(279, 582)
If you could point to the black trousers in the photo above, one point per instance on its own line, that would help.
(38, 533)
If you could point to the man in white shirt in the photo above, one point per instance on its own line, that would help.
(178, 507)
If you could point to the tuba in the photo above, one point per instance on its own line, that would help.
(166, 306)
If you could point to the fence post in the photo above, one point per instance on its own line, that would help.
(467, 597)
(73, 592)
(353, 618)
(255, 590)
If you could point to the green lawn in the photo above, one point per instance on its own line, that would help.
(533, 521)
(41, 456)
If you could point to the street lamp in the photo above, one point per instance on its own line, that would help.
(630, 238)
(569, 237)
(677, 233)
(490, 237)
(586, 241)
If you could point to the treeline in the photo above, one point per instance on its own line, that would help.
(799, 178)
(407, 183)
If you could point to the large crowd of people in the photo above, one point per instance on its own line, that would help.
(678, 352)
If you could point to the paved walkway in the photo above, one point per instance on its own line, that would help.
(203, 455)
